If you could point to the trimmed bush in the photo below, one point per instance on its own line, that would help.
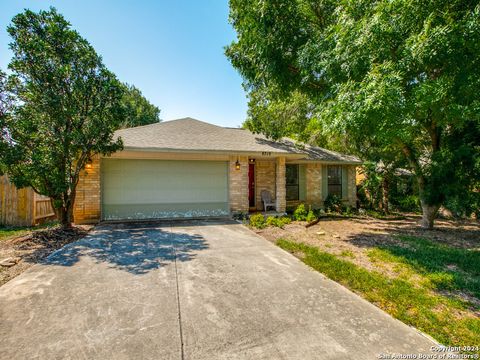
(278, 222)
(271, 221)
(311, 216)
(257, 221)
(300, 213)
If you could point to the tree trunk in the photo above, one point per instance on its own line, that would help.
(385, 193)
(63, 214)
(64, 217)
(429, 213)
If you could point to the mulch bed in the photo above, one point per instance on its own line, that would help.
(28, 250)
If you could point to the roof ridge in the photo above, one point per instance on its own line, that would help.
(192, 119)
(141, 126)
(161, 122)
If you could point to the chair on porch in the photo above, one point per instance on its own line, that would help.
(267, 199)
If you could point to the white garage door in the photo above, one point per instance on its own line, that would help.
(150, 189)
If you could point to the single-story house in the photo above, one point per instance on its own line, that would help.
(189, 168)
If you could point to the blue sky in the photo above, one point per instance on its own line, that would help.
(171, 50)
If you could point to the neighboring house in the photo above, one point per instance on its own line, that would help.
(189, 168)
(22, 207)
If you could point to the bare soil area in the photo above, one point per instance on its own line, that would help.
(352, 238)
(19, 253)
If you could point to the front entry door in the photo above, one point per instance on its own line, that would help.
(251, 185)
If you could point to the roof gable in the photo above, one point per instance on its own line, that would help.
(193, 135)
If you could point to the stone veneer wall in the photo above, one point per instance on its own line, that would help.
(87, 205)
(280, 185)
(264, 180)
(314, 185)
(238, 184)
(352, 186)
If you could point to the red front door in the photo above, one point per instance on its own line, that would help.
(251, 185)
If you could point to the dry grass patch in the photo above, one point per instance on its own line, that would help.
(428, 279)
(28, 246)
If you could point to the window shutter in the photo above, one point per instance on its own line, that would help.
(324, 181)
(302, 182)
(344, 182)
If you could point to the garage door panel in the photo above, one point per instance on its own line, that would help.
(139, 189)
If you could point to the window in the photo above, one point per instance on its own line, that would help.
(335, 180)
(292, 183)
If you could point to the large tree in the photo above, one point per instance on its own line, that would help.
(5, 108)
(67, 106)
(137, 109)
(397, 76)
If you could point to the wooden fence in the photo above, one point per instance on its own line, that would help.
(22, 207)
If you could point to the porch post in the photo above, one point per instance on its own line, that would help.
(281, 191)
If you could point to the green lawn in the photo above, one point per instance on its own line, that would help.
(8, 232)
(422, 293)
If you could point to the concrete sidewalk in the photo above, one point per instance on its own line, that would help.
(192, 290)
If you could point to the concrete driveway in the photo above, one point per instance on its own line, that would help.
(188, 290)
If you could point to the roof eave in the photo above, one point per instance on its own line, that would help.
(209, 151)
(332, 162)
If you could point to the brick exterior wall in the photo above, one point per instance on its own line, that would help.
(352, 186)
(314, 188)
(238, 184)
(88, 200)
(269, 175)
(281, 191)
(314, 185)
(264, 180)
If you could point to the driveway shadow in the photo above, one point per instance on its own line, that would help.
(136, 249)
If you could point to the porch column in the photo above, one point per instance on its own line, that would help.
(314, 185)
(280, 189)
(238, 184)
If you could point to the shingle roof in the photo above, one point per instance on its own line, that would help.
(193, 135)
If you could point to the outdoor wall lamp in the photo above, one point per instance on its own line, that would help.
(237, 165)
(88, 165)
(251, 161)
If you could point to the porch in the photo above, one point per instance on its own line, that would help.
(291, 182)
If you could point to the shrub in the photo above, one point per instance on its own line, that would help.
(333, 203)
(271, 221)
(257, 221)
(240, 216)
(278, 222)
(285, 220)
(311, 216)
(300, 213)
(409, 203)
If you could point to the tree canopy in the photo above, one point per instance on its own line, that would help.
(67, 106)
(137, 109)
(395, 77)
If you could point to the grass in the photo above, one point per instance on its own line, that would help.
(347, 253)
(8, 232)
(450, 321)
(441, 267)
